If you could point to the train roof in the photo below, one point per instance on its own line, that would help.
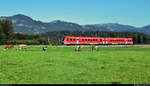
(98, 37)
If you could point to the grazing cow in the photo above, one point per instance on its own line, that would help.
(95, 48)
(8, 47)
(45, 48)
(22, 46)
(79, 48)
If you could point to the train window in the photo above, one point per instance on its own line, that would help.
(70, 39)
(100, 39)
(93, 39)
(73, 39)
(96, 39)
(85, 39)
(88, 39)
(67, 39)
(82, 39)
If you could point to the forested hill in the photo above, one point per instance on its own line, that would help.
(25, 24)
(7, 35)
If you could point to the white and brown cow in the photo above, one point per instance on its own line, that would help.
(21, 46)
(79, 48)
(94, 47)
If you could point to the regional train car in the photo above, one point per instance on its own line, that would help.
(70, 40)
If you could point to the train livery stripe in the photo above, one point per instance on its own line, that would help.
(96, 40)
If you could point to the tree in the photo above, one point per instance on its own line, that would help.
(7, 29)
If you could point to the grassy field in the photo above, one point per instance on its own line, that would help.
(62, 65)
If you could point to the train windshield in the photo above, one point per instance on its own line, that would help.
(63, 39)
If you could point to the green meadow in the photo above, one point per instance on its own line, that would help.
(62, 65)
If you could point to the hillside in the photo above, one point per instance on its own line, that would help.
(25, 24)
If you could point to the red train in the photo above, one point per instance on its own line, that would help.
(96, 40)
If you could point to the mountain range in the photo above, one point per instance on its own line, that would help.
(25, 24)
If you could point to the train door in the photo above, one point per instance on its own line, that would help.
(77, 40)
(106, 41)
(126, 41)
(103, 41)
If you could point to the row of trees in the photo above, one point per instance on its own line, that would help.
(56, 37)
(7, 35)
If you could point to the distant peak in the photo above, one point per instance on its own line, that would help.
(19, 15)
(22, 16)
(57, 21)
(111, 23)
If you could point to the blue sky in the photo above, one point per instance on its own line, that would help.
(129, 12)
